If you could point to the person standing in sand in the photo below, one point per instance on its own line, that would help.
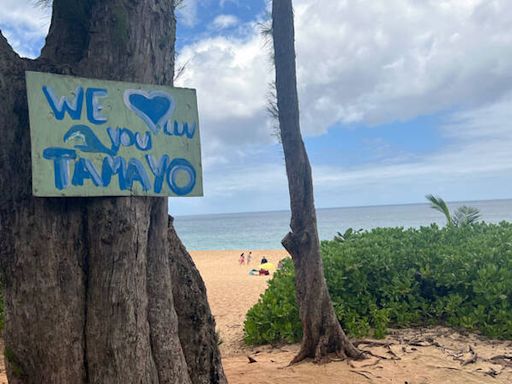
(242, 259)
(249, 257)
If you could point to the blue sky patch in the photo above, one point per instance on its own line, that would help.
(358, 144)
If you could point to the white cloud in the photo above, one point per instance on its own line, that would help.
(187, 12)
(224, 2)
(375, 62)
(225, 21)
(231, 76)
(24, 24)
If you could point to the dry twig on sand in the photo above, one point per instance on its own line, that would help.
(471, 359)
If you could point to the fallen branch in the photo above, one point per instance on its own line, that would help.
(372, 343)
(362, 374)
(392, 353)
(472, 359)
(429, 342)
(379, 356)
(443, 367)
(504, 360)
(369, 365)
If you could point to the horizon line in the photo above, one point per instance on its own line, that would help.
(338, 207)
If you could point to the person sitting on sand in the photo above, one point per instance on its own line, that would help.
(242, 259)
(264, 260)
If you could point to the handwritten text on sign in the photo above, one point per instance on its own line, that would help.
(104, 138)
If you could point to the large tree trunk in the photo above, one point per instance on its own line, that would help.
(88, 288)
(322, 331)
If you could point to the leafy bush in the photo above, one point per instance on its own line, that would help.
(276, 316)
(456, 276)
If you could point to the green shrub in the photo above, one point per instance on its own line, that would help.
(275, 319)
(456, 276)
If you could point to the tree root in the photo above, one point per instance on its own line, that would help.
(362, 374)
(324, 353)
(302, 355)
(372, 343)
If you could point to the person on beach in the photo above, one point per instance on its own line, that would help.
(249, 256)
(242, 259)
(264, 260)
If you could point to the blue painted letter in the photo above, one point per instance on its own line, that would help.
(111, 166)
(93, 107)
(184, 130)
(181, 166)
(136, 172)
(158, 170)
(85, 169)
(143, 143)
(61, 158)
(63, 105)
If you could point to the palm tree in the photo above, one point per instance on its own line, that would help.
(463, 215)
(440, 205)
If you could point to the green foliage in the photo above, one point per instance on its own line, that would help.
(463, 215)
(275, 319)
(440, 205)
(456, 276)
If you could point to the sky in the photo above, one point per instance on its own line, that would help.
(398, 98)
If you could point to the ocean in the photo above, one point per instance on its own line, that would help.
(264, 230)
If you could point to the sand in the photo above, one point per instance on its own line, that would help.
(232, 291)
(413, 356)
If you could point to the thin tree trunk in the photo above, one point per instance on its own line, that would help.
(322, 331)
(88, 288)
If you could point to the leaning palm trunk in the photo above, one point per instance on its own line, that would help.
(322, 333)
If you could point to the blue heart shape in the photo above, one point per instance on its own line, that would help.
(154, 108)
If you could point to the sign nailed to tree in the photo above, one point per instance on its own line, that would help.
(104, 138)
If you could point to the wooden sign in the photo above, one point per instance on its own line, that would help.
(105, 138)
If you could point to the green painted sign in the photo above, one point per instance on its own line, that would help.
(105, 138)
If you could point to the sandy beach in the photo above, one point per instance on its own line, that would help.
(415, 356)
(232, 291)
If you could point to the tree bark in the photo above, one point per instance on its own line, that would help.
(322, 333)
(194, 316)
(88, 288)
